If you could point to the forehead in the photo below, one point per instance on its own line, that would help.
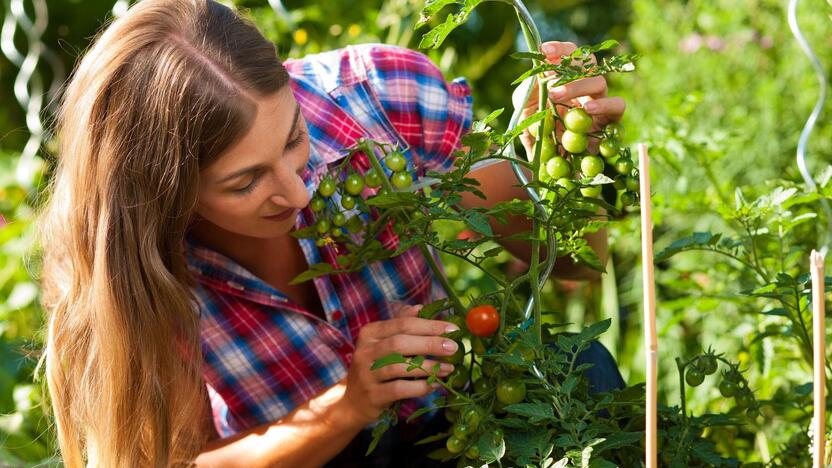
(268, 133)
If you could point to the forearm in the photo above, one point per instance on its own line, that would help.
(309, 436)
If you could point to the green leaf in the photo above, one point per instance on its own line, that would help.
(430, 310)
(394, 199)
(392, 358)
(491, 450)
(316, 270)
(478, 222)
(305, 233)
(536, 412)
(587, 256)
(481, 125)
(436, 36)
(697, 240)
(432, 438)
(528, 55)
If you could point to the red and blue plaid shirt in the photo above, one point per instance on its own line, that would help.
(264, 355)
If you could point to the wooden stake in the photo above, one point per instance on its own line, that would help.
(819, 335)
(649, 286)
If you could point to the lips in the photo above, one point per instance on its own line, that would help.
(282, 215)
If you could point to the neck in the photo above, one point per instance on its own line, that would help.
(264, 257)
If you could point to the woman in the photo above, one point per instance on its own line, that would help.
(188, 152)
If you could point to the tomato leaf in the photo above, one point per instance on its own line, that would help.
(392, 358)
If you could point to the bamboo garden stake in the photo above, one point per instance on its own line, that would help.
(651, 343)
(818, 329)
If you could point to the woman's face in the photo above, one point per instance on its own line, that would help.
(260, 176)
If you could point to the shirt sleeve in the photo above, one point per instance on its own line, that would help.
(429, 112)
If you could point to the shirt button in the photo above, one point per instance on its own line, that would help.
(337, 315)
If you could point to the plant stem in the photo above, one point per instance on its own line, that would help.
(367, 146)
(681, 368)
(532, 36)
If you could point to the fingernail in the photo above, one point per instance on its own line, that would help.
(451, 328)
(558, 91)
(435, 385)
(590, 106)
(549, 49)
(450, 346)
(446, 367)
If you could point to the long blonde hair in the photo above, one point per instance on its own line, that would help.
(163, 90)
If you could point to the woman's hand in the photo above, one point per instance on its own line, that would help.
(370, 392)
(589, 93)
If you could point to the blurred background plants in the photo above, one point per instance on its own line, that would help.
(720, 94)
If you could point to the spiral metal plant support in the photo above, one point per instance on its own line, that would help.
(28, 84)
(812, 120)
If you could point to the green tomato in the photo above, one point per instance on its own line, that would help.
(472, 417)
(548, 149)
(480, 385)
(456, 357)
(628, 199)
(339, 219)
(317, 204)
(348, 202)
(744, 399)
(593, 191)
(632, 183)
(591, 165)
(752, 413)
(577, 120)
(558, 167)
(461, 430)
(395, 162)
(354, 184)
(727, 388)
(327, 187)
(575, 143)
(694, 377)
(511, 391)
(459, 377)
(320, 242)
(609, 147)
(619, 182)
(322, 226)
(614, 130)
(473, 452)
(708, 365)
(336, 232)
(526, 353)
(372, 179)
(567, 184)
(624, 165)
(451, 415)
(354, 224)
(477, 346)
(455, 445)
(401, 180)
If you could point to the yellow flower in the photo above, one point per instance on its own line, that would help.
(354, 30)
(300, 36)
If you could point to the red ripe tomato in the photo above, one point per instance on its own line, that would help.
(483, 320)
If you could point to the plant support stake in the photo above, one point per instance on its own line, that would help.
(819, 366)
(649, 287)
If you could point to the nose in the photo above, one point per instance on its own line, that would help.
(292, 191)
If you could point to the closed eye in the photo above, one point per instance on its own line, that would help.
(254, 180)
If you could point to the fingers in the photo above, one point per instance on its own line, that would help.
(410, 345)
(554, 50)
(395, 390)
(607, 109)
(595, 87)
(406, 326)
(399, 371)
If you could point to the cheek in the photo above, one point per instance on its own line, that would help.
(226, 211)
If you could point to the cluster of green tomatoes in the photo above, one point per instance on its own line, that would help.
(566, 169)
(336, 199)
(733, 384)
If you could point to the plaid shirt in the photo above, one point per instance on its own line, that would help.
(265, 355)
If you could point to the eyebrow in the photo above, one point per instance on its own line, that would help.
(256, 167)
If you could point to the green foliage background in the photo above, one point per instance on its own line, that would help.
(720, 94)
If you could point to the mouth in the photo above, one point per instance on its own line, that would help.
(283, 215)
